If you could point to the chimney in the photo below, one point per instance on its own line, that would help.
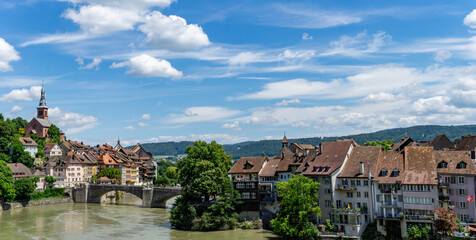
(361, 168)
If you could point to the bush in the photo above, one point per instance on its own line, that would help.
(24, 187)
(182, 215)
(48, 193)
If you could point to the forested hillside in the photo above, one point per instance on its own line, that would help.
(271, 147)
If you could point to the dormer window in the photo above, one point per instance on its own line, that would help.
(442, 164)
(395, 173)
(461, 165)
(383, 172)
(314, 168)
(248, 165)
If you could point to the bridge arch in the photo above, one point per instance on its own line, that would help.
(95, 192)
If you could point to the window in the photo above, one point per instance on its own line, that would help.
(350, 195)
(253, 195)
(358, 194)
(461, 165)
(417, 200)
(345, 182)
(383, 172)
(366, 182)
(463, 217)
(461, 180)
(395, 173)
(352, 183)
(240, 185)
(326, 180)
(357, 182)
(328, 203)
(339, 203)
(416, 188)
(442, 164)
(462, 191)
(366, 194)
(462, 204)
(245, 195)
(327, 191)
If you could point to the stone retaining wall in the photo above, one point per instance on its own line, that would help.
(34, 203)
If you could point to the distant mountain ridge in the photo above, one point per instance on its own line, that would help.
(272, 147)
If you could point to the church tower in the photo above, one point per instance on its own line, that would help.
(42, 109)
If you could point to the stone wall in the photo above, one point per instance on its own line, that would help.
(34, 203)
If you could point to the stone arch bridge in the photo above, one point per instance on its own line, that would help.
(152, 197)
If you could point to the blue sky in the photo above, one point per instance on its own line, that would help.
(232, 71)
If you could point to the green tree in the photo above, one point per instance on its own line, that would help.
(50, 180)
(171, 172)
(204, 172)
(35, 179)
(24, 187)
(20, 156)
(162, 180)
(419, 232)
(54, 134)
(385, 144)
(445, 221)
(94, 178)
(298, 209)
(110, 173)
(7, 192)
(5, 157)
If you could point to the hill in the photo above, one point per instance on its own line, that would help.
(271, 147)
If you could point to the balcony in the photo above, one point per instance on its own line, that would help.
(389, 204)
(245, 179)
(346, 188)
(443, 198)
(418, 217)
(267, 200)
(354, 211)
(443, 184)
(385, 190)
(389, 215)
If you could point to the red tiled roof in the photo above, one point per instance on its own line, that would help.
(362, 154)
(389, 160)
(452, 158)
(331, 158)
(248, 165)
(26, 141)
(420, 166)
(269, 168)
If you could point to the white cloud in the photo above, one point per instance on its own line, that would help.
(22, 94)
(300, 124)
(7, 54)
(141, 124)
(127, 4)
(219, 138)
(233, 126)
(58, 38)
(306, 36)
(244, 58)
(379, 97)
(287, 102)
(358, 45)
(145, 116)
(147, 66)
(129, 128)
(303, 54)
(203, 114)
(93, 64)
(470, 19)
(442, 55)
(173, 32)
(16, 108)
(98, 19)
(71, 122)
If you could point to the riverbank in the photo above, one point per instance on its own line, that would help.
(35, 203)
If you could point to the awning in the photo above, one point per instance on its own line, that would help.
(472, 228)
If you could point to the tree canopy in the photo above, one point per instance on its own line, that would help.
(54, 134)
(385, 144)
(298, 209)
(50, 180)
(418, 232)
(445, 221)
(24, 187)
(7, 192)
(110, 173)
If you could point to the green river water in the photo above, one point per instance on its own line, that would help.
(104, 221)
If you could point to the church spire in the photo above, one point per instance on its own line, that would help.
(42, 99)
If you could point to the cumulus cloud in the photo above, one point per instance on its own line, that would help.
(470, 19)
(306, 36)
(145, 116)
(379, 97)
(129, 128)
(234, 126)
(16, 108)
(7, 55)
(93, 64)
(442, 55)
(287, 102)
(126, 4)
(172, 32)
(98, 19)
(142, 124)
(71, 122)
(147, 66)
(202, 114)
(22, 94)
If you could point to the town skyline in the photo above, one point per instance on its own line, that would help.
(233, 72)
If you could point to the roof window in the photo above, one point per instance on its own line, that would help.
(442, 164)
(383, 172)
(461, 165)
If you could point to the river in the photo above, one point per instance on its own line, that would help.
(127, 220)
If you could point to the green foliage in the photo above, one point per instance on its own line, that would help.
(204, 172)
(171, 173)
(163, 165)
(329, 226)
(385, 144)
(48, 193)
(110, 173)
(7, 192)
(418, 232)
(182, 214)
(298, 209)
(162, 180)
(40, 154)
(94, 178)
(5, 157)
(24, 187)
(371, 232)
(54, 134)
(19, 155)
(50, 180)
(35, 179)
(39, 140)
